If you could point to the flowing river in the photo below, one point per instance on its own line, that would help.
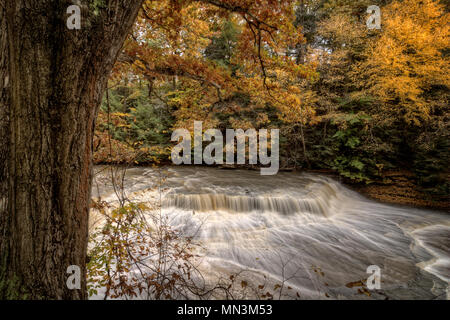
(306, 230)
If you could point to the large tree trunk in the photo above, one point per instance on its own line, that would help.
(55, 78)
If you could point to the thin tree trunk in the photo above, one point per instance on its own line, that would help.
(304, 145)
(56, 80)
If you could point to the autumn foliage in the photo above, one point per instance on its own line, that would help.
(357, 101)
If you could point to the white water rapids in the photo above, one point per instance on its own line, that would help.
(288, 225)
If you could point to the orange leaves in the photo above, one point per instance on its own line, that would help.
(171, 37)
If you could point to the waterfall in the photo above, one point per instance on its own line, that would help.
(321, 202)
(238, 204)
(291, 224)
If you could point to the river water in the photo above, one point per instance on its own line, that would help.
(307, 230)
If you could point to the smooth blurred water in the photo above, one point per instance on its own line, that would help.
(306, 228)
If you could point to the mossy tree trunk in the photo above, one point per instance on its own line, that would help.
(51, 84)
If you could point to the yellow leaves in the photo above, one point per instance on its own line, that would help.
(407, 57)
(341, 28)
(139, 64)
(119, 114)
(142, 206)
(240, 124)
(262, 119)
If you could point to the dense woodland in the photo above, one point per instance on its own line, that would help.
(356, 101)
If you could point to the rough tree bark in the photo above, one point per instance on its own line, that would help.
(51, 83)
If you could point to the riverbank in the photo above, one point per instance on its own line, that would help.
(399, 187)
(396, 187)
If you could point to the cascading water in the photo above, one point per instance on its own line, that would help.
(233, 203)
(308, 230)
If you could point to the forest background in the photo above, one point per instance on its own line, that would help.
(368, 105)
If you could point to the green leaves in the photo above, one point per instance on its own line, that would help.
(357, 164)
(352, 161)
(352, 142)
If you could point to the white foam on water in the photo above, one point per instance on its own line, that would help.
(259, 223)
